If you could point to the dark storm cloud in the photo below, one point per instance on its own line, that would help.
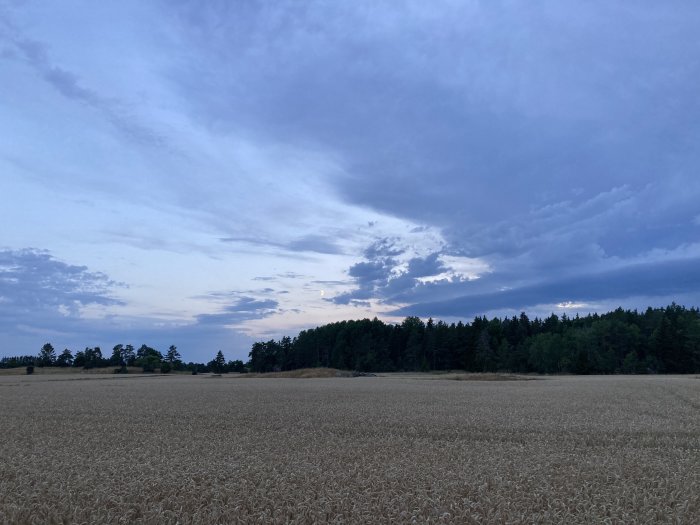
(556, 141)
(552, 140)
(481, 100)
(371, 272)
(360, 304)
(359, 295)
(385, 279)
(425, 266)
(383, 248)
(369, 277)
(664, 278)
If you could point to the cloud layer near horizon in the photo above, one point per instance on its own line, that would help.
(446, 159)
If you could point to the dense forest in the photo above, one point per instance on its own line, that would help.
(659, 340)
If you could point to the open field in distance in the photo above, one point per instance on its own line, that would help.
(201, 449)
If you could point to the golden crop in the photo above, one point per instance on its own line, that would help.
(400, 449)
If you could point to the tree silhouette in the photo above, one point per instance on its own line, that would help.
(172, 356)
(219, 362)
(47, 355)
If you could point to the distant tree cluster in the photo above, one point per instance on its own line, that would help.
(661, 340)
(123, 356)
(220, 366)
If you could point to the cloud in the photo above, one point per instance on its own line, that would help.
(460, 155)
(369, 277)
(307, 243)
(330, 282)
(371, 272)
(68, 84)
(359, 304)
(45, 299)
(314, 243)
(33, 281)
(280, 276)
(425, 266)
(240, 310)
(389, 279)
(547, 141)
(384, 247)
(662, 278)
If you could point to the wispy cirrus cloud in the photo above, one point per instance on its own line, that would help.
(312, 243)
(67, 83)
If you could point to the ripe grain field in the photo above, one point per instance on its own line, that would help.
(198, 449)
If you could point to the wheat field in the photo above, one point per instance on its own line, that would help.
(200, 449)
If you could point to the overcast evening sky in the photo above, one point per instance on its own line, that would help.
(211, 173)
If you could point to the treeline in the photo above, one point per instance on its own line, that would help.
(660, 340)
(122, 357)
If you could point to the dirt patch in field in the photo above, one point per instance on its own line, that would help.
(484, 377)
(302, 373)
(458, 375)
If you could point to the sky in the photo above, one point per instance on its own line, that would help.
(213, 173)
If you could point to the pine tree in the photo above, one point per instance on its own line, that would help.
(219, 362)
(172, 356)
